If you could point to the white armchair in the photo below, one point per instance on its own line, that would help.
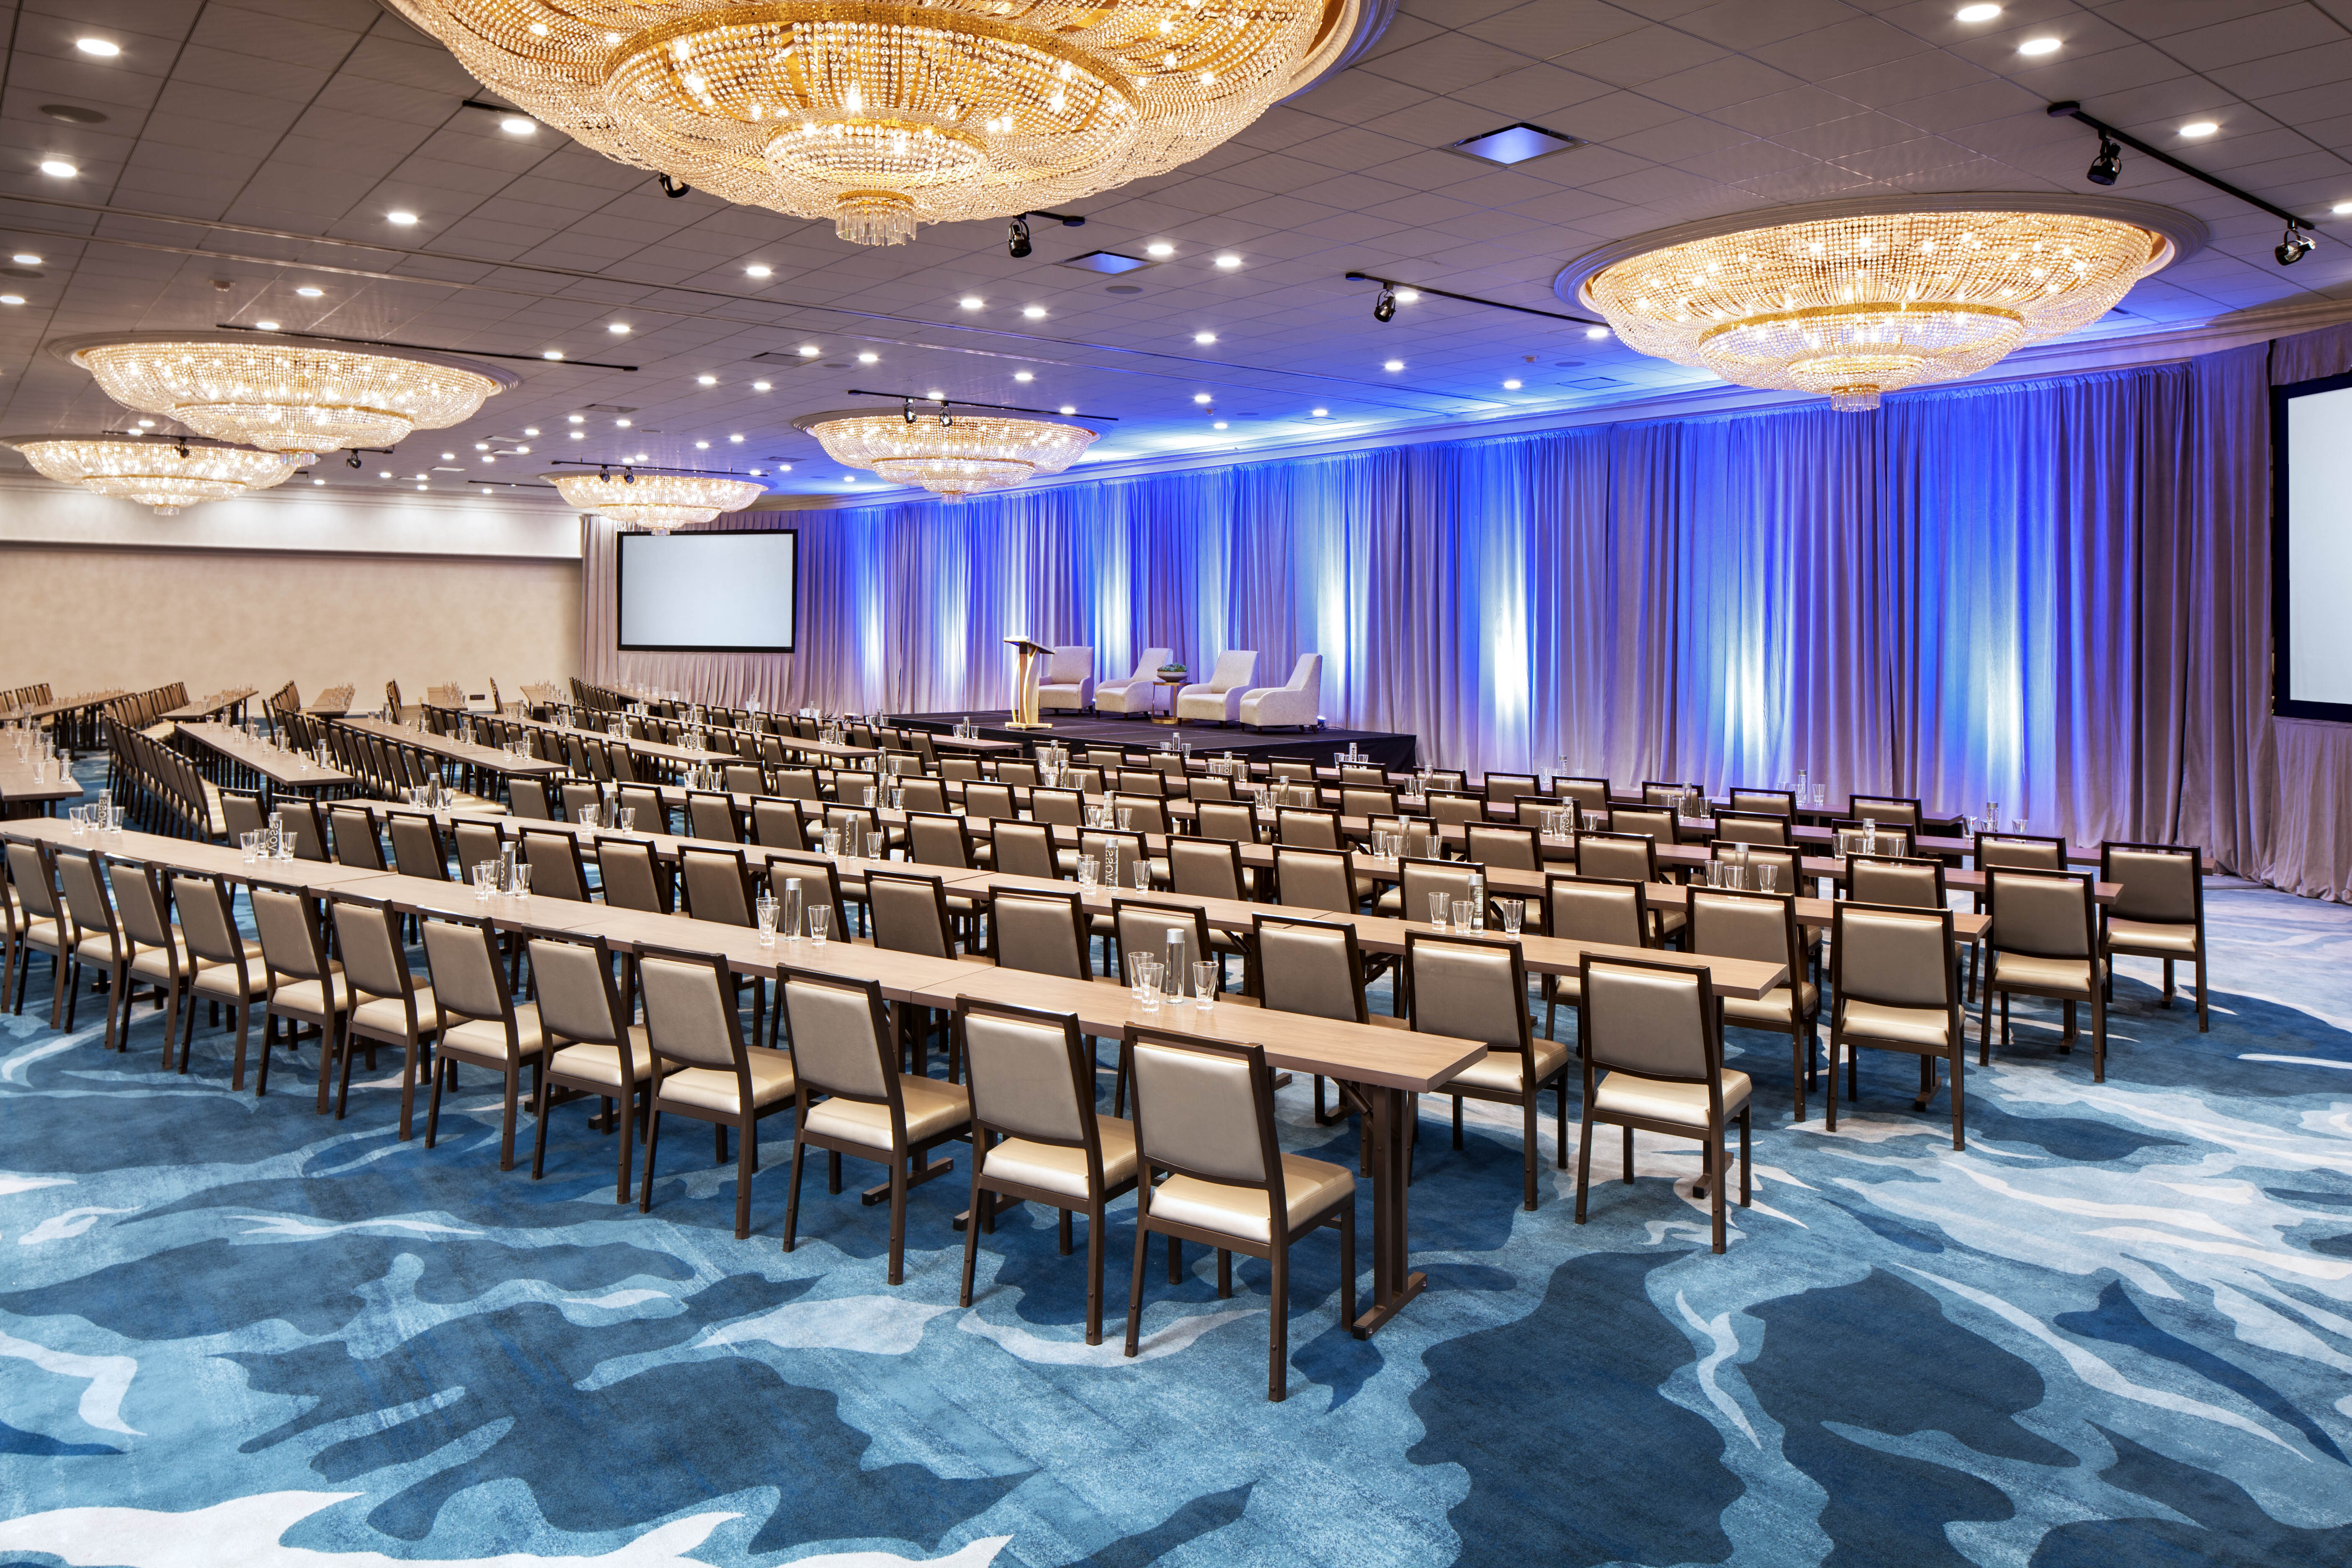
(1293, 704)
(1070, 683)
(1133, 695)
(1219, 697)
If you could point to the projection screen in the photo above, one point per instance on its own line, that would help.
(708, 592)
(2311, 549)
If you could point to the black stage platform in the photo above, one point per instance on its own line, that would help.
(1208, 739)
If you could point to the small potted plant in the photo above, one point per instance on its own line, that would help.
(1174, 672)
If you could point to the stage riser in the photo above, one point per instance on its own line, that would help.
(1386, 750)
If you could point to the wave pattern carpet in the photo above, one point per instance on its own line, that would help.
(2115, 1330)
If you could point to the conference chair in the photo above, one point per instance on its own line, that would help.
(1653, 1037)
(1762, 927)
(481, 1026)
(1218, 700)
(158, 948)
(1149, 782)
(629, 876)
(912, 913)
(1584, 794)
(776, 823)
(306, 987)
(1312, 880)
(390, 1004)
(1896, 881)
(1628, 857)
(527, 798)
(1780, 803)
(1314, 968)
(229, 969)
(1235, 822)
(711, 816)
(93, 941)
(356, 840)
(702, 1068)
(1477, 990)
(1300, 828)
(842, 1050)
(1896, 810)
(2020, 851)
(1455, 808)
(986, 802)
(1658, 824)
(1041, 932)
(1295, 704)
(418, 849)
(2158, 911)
(1035, 1135)
(1025, 849)
(557, 870)
(1227, 1178)
(2044, 941)
(1582, 909)
(1750, 827)
(1134, 694)
(1896, 980)
(1502, 789)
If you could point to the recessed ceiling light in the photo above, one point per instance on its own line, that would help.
(305, 292)
(523, 451)
(550, 353)
(1218, 426)
(1229, 261)
(783, 468)
(760, 385)
(318, 481)
(1069, 408)
(1023, 375)
(580, 435)
(1200, 398)
(146, 424)
(59, 169)
(1596, 331)
(266, 326)
(452, 456)
(478, 447)
(11, 298)
(702, 446)
(101, 47)
(420, 487)
(706, 381)
(25, 259)
(1394, 364)
(384, 473)
(577, 418)
(2038, 47)
(1204, 337)
(2341, 208)
(1105, 261)
(1514, 145)
(759, 473)
(1034, 312)
(1159, 247)
(971, 302)
(869, 357)
(738, 439)
(624, 424)
(756, 271)
(810, 350)
(1977, 13)
(617, 328)
(1318, 412)
(519, 125)
(530, 430)
(404, 219)
(1510, 386)
(2199, 127)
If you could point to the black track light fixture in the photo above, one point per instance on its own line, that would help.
(673, 188)
(1384, 308)
(353, 460)
(1016, 237)
(2108, 164)
(2294, 247)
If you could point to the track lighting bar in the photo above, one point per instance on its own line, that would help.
(420, 348)
(608, 465)
(1389, 285)
(943, 403)
(2110, 160)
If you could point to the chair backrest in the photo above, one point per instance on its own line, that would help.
(716, 884)
(1785, 859)
(922, 795)
(283, 920)
(711, 816)
(553, 858)
(1761, 926)
(1030, 1077)
(1063, 807)
(1312, 880)
(1025, 849)
(798, 784)
(776, 823)
(819, 878)
(1455, 807)
(966, 768)
(1419, 878)
(1206, 1110)
(744, 778)
(578, 1001)
(935, 838)
(910, 913)
(1291, 770)
(29, 867)
(1307, 829)
(2040, 914)
(1649, 1019)
(1153, 660)
(1595, 909)
(2159, 883)
(1042, 932)
(1204, 868)
(1884, 809)
(1529, 810)
(631, 878)
(477, 842)
(462, 955)
(418, 849)
(1504, 788)
(1310, 966)
(1366, 800)
(207, 923)
(1894, 957)
(1475, 990)
(1619, 857)
(2016, 850)
(988, 802)
(652, 817)
(575, 795)
(690, 1014)
(1307, 675)
(1022, 776)
(1145, 813)
(1071, 665)
(841, 1039)
(139, 904)
(1780, 803)
(1236, 668)
(356, 843)
(1588, 795)
(1359, 774)
(242, 814)
(1234, 821)
(1501, 844)
(1654, 822)
(368, 932)
(528, 797)
(1894, 879)
(82, 877)
(1141, 781)
(1747, 828)
(1209, 787)
(1145, 927)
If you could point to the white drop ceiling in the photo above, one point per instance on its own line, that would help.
(261, 143)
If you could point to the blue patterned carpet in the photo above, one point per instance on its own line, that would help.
(2116, 1330)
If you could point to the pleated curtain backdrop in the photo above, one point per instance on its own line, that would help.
(2052, 596)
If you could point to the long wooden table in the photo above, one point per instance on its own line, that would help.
(449, 748)
(277, 770)
(219, 705)
(21, 786)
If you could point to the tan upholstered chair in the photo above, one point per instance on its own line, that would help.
(1069, 683)
(306, 987)
(481, 1026)
(1133, 695)
(842, 1050)
(1763, 927)
(1780, 803)
(1477, 990)
(159, 951)
(1896, 978)
(704, 1069)
(228, 967)
(557, 870)
(96, 941)
(1628, 857)
(1905, 882)
(417, 846)
(1025, 849)
(1218, 700)
(1035, 1134)
(391, 1005)
(593, 1049)
(1886, 810)
(1297, 704)
(2043, 942)
(1750, 827)
(1603, 910)
(2159, 912)
(1317, 968)
(43, 925)
(1204, 1115)
(1652, 1041)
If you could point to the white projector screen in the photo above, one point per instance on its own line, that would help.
(2311, 548)
(709, 593)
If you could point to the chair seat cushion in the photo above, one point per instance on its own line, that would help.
(1055, 1168)
(2069, 977)
(1683, 1104)
(102, 947)
(388, 1015)
(158, 963)
(484, 1040)
(1307, 1187)
(218, 977)
(1769, 1011)
(601, 1064)
(2150, 937)
(934, 1110)
(1501, 1071)
(1929, 1027)
(305, 998)
(714, 1088)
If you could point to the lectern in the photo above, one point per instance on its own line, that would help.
(1025, 679)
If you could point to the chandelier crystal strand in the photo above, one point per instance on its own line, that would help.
(655, 501)
(954, 458)
(881, 116)
(153, 471)
(1854, 307)
(286, 396)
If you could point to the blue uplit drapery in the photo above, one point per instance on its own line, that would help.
(2047, 594)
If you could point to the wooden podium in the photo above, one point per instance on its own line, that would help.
(1025, 677)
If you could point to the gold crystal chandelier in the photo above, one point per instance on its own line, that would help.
(1871, 302)
(284, 394)
(159, 472)
(884, 116)
(657, 502)
(954, 454)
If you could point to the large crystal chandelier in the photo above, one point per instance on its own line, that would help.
(884, 116)
(284, 394)
(954, 454)
(658, 503)
(161, 471)
(1871, 302)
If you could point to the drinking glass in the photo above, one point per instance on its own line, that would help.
(1515, 910)
(1596, 821)
(2017, 825)
(249, 843)
(868, 793)
(1204, 985)
(1461, 908)
(519, 879)
(485, 874)
(1768, 878)
(873, 847)
(1125, 817)
(626, 816)
(1147, 986)
(285, 846)
(1992, 816)
(820, 917)
(78, 819)
(586, 815)
(898, 798)
(1142, 870)
(764, 915)
(1438, 906)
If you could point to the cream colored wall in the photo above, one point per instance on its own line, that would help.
(83, 618)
